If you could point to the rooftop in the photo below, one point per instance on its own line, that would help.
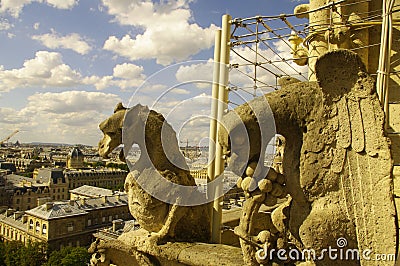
(93, 192)
(55, 210)
(22, 181)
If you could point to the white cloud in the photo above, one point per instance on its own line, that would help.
(5, 24)
(71, 101)
(70, 117)
(128, 71)
(72, 41)
(125, 76)
(45, 70)
(202, 72)
(14, 7)
(36, 25)
(62, 4)
(11, 116)
(157, 41)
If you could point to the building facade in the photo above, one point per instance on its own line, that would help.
(105, 178)
(61, 224)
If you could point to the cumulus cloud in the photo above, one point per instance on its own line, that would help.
(10, 116)
(70, 116)
(124, 76)
(201, 74)
(14, 7)
(128, 71)
(71, 101)
(71, 41)
(5, 25)
(47, 70)
(156, 22)
(62, 4)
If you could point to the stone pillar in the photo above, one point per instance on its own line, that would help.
(317, 43)
(335, 26)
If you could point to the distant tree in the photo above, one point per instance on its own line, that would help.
(69, 256)
(16, 253)
(34, 254)
(2, 253)
(12, 253)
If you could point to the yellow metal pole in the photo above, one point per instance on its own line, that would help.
(214, 117)
(222, 107)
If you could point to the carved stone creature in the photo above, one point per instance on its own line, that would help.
(336, 168)
(160, 160)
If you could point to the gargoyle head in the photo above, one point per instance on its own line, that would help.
(112, 130)
(247, 131)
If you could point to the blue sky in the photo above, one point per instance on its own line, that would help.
(65, 64)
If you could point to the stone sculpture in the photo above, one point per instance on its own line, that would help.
(336, 169)
(160, 159)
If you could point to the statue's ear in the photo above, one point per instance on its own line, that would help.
(338, 72)
(119, 107)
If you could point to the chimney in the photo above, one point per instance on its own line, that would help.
(117, 224)
(9, 212)
(104, 199)
(41, 201)
(24, 218)
(18, 214)
(49, 205)
(83, 201)
(118, 197)
(71, 202)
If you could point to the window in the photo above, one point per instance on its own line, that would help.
(44, 229)
(110, 218)
(70, 227)
(37, 227)
(103, 219)
(29, 200)
(17, 201)
(89, 222)
(30, 224)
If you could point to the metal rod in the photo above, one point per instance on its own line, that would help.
(222, 106)
(213, 120)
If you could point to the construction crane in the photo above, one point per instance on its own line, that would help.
(8, 137)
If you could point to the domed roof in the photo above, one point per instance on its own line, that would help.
(75, 153)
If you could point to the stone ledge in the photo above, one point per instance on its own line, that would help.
(136, 248)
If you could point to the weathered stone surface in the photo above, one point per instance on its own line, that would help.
(135, 248)
(337, 163)
(160, 160)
